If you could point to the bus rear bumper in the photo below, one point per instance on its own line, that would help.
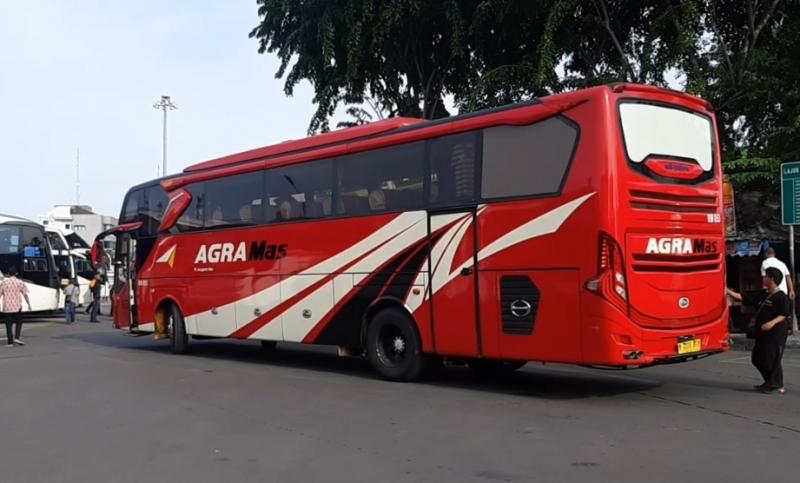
(620, 343)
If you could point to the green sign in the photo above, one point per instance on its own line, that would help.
(790, 193)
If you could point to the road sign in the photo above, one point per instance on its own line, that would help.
(790, 193)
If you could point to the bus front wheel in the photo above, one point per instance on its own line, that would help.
(178, 339)
(393, 346)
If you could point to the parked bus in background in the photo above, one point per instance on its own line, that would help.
(580, 228)
(24, 245)
(73, 259)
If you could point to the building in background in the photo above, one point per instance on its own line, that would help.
(81, 220)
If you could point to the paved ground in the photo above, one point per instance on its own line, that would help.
(88, 404)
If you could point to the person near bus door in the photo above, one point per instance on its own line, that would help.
(97, 287)
(769, 328)
(71, 296)
(770, 260)
(12, 292)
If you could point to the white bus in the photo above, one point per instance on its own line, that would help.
(25, 246)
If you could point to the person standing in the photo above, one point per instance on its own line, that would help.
(71, 296)
(97, 287)
(770, 260)
(769, 328)
(12, 292)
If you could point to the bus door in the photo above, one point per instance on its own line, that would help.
(122, 295)
(453, 286)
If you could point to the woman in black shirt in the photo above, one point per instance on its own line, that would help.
(770, 329)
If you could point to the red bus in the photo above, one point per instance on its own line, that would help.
(580, 228)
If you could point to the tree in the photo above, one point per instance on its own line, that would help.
(747, 70)
(406, 54)
(403, 57)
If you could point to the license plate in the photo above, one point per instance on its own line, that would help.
(689, 346)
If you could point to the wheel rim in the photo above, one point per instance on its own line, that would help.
(393, 345)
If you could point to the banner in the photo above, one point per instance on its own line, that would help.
(728, 209)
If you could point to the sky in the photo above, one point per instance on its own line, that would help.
(83, 74)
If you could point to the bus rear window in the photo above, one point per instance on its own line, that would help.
(656, 131)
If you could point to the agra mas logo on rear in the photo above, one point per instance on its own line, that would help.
(680, 246)
(168, 257)
(229, 252)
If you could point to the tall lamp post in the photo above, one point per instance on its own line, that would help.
(165, 104)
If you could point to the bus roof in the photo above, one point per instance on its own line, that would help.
(17, 219)
(320, 140)
(375, 134)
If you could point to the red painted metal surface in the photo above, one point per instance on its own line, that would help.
(314, 271)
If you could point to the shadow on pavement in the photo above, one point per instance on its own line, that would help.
(554, 382)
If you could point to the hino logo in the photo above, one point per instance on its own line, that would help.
(680, 246)
(229, 252)
(520, 308)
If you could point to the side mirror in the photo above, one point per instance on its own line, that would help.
(179, 200)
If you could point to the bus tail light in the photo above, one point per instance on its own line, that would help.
(610, 282)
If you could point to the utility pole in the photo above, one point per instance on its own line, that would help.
(78, 177)
(165, 104)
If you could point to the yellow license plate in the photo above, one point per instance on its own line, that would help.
(689, 346)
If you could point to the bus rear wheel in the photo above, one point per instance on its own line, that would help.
(393, 346)
(178, 339)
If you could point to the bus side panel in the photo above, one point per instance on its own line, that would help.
(531, 314)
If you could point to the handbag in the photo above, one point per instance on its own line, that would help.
(754, 328)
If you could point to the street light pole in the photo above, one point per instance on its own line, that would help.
(164, 104)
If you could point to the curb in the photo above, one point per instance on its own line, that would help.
(741, 342)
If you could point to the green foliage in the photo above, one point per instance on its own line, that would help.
(404, 57)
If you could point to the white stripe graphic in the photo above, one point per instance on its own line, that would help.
(286, 289)
(545, 224)
(296, 326)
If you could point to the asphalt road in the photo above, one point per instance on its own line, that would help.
(89, 404)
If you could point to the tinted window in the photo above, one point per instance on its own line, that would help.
(9, 240)
(55, 241)
(153, 203)
(130, 211)
(35, 256)
(75, 241)
(192, 217)
(234, 200)
(452, 162)
(389, 179)
(298, 192)
(526, 160)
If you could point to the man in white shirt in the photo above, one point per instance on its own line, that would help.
(787, 286)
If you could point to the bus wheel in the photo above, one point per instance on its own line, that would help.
(268, 346)
(493, 367)
(178, 339)
(393, 346)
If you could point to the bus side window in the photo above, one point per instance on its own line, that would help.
(452, 165)
(388, 179)
(527, 160)
(299, 191)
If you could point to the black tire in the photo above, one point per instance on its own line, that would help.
(268, 346)
(494, 367)
(393, 346)
(178, 339)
